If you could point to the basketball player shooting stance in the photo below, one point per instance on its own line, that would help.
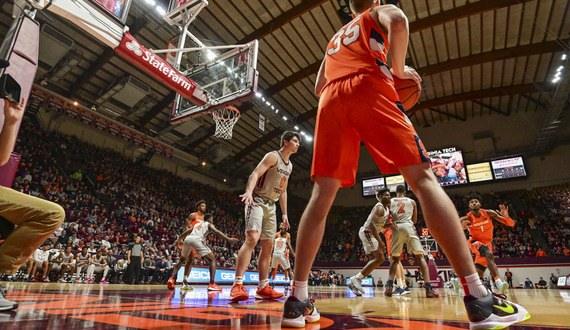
(400, 283)
(194, 240)
(480, 224)
(405, 215)
(358, 102)
(371, 241)
(280, 255)
(265, 186)
(193, 218)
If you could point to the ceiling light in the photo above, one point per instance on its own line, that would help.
(258, 94)
(308, 138)
(211, 55)
(151, 2)
(297, 127)
(263, 99)
(75, 103)
(563, 56)
(555, 79)
(302, 133)
(203, 163)
(160, 10)
(267, 102)
(225, 180)
(284, 118)
(559, 68)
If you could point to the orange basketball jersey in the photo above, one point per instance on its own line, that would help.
(359, 47)
(197, 218)
(481, 228)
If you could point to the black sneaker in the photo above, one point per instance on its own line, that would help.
(296, 313)
(6, 305)
(493, 311)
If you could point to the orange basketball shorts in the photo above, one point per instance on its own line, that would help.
(479, 248)
(388, 237)
(362, 108)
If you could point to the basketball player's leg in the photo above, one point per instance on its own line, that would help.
(493, 269)
(189, 263)
(211, 259)
(267, 237)
(244, 254)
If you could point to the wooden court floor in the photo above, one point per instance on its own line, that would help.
(92, 306)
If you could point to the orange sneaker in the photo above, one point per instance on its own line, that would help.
(238, 293)
(171, 284)
(214, 287)
(267, 293)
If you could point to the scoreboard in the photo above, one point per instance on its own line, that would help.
(508, 168)
(117, 9)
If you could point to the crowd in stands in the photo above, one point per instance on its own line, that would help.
(108, 199)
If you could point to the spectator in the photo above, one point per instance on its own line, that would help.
(540, 253)
(509, 277)
(553, 281)
(380, 283)
(78, 175)
(541, 284)
(148, 269)
(528, 284)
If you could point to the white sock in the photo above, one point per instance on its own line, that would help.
(359, 276)
(238, 280)
(300, 290)
(263, 283)
(498, 282)
(472, 285)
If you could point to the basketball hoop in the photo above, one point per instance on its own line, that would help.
(225, 119)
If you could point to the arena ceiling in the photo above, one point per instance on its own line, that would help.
(477, 58)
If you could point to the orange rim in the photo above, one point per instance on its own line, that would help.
(229, 108)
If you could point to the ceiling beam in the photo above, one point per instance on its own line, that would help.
(135, 28)
(154, 111)
(490, 107)
(447, 114)
(495, 55)
(480, 94)
(460, 12)
(282, 19)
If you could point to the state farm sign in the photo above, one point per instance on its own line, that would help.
(159, 68)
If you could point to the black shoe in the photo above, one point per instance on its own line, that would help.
(296, 313)
(493, 312)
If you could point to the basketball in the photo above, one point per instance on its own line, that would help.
(408, 91)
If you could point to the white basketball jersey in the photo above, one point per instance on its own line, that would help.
(377, 221)
(280, 245)
(274, 180)
(402, 210)
(200, 230)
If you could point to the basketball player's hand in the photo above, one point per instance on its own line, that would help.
(233, 240)
(285, 222)
(247, 198)
(465, 224)
(504, 211)
(409, 73)
(13, 112)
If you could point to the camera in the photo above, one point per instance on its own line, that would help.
(9, 88)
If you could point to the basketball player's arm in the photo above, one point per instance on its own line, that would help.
(379, 213)
(183, 235)
(393, 21)
(190, 219)
(415, 213)
(465, 222)
(222, 235)
(12, 115)
(502, 216)
(268, 161)
(290, 247)
(321, 79)
(283, 205)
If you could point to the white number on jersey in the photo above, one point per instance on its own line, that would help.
(351, 33)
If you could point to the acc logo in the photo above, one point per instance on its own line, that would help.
(135, 47)
(228, 276)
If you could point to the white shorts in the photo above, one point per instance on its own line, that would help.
(281, 259)
(405, 233)
(197, 245)
(369, 242)
(261, 217)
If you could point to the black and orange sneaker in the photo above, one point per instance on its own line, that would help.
(296, 313)
(430, 293)
(388, 292)
(493, 311)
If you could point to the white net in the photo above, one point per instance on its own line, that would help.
(225, 119)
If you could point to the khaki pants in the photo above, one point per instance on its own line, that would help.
(35, 220)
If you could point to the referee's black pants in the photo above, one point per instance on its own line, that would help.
(133, 272)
